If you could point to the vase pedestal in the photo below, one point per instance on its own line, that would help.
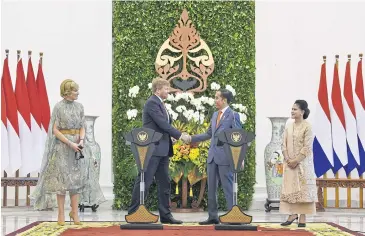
(268, 206)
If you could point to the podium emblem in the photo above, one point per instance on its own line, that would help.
(142, 136)
(236, 137)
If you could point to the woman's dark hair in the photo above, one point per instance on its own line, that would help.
(303, 105)
(225, 93)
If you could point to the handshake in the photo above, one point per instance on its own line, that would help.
(185, 137)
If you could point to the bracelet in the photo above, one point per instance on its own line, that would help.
(69, 142)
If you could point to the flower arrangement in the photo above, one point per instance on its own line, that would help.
(191, 114)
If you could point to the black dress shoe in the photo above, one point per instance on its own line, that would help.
(286, 223)
(209, 222)
(170, 220)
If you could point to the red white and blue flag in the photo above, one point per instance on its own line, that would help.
(359, 100)
(338, 123)
(351, 127)
(322, 144)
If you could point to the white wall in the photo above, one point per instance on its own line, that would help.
(76, 38)
(291, 38)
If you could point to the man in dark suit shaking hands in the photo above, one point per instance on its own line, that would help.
(156, 117)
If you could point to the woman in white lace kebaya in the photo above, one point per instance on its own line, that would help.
(63, 167)
(299, 192)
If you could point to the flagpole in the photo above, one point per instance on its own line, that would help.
(337, 190)
(5, 191)
(361, 197)
(18, 52)
(325, 174)
(349, 175)
(28, 175)
(41, 63)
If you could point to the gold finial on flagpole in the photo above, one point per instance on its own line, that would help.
(360, 55)
(29, 53)
(6, 52)
(337, 56)
(41, 58)
(349, 57)
(324, 58)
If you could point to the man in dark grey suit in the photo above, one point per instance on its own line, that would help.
(218, 163)
(156, 117)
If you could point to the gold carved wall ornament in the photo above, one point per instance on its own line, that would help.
(185, 59)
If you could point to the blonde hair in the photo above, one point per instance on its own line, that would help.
(158, 83)
(67, 86)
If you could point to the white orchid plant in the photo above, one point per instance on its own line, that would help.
(186, 107)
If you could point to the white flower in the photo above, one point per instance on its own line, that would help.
(132, 114)
(197, 102)
(229, 87)
(214, 86)
(188, 114)
(177, 97)
(185, 96)
(168, 106)
(133, 91)
(204, 99)
(196, 116)
(180, 108)
(150, 85)
(240, 107)
(174, 115)
(170, 98)
(211, 101)
(243, 117)
(202, 117)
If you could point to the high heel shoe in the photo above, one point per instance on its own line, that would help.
(72, 217)
(286, 223)
(61, 223)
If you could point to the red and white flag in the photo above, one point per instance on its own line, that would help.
(43, 98)
(36, 119)
(15, 159)
(22, 100)
(359, 99)
(4, 133)
(350, 117)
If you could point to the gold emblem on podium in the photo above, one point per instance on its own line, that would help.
(142, 136)
(236, 137)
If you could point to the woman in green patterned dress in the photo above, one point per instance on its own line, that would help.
(63, 168)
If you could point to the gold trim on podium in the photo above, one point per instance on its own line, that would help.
(236, 151)
(141, 215)
(142, 151)
(235, 216)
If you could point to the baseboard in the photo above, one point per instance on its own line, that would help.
(258, 202)
(108, 192)
(259, 199)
